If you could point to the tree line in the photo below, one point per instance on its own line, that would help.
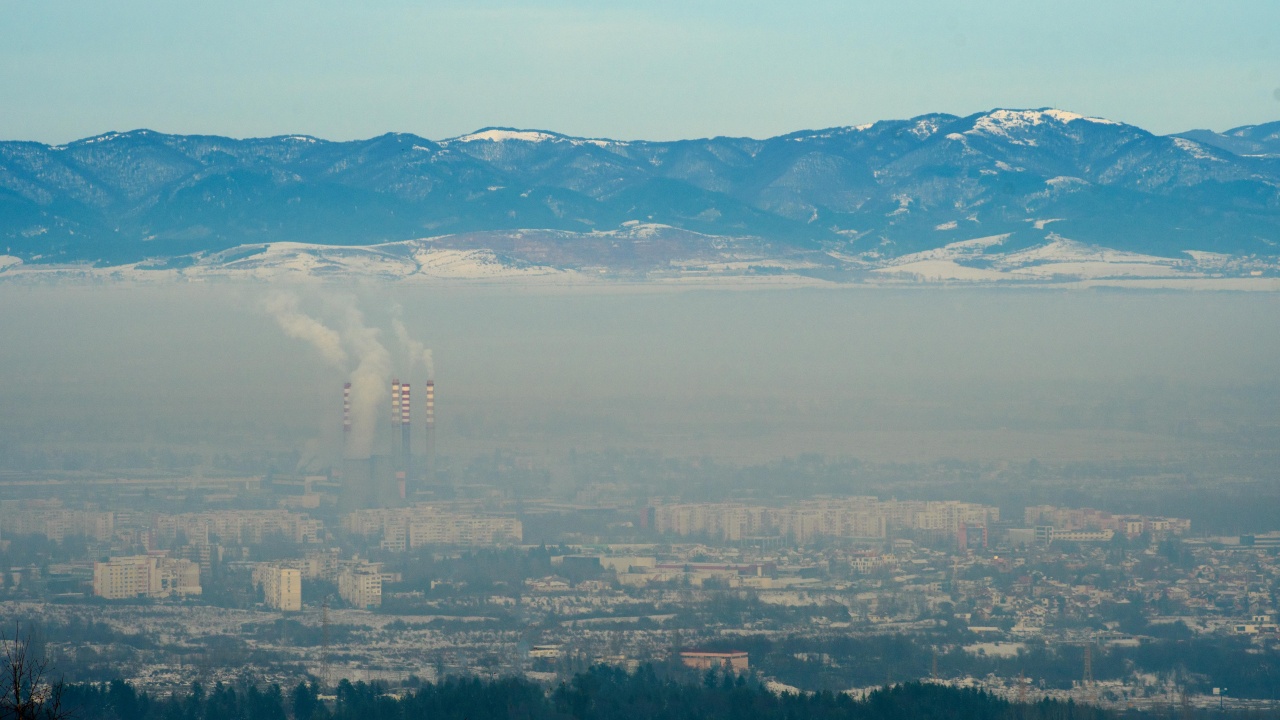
(601, 693)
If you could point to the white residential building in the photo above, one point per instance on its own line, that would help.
(145, 576)
(403, 528)
(281, 586)
(360, 584)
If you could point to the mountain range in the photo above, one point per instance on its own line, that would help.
(972, 192)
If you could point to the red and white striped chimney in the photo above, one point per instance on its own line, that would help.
(395, 401)
(404, 404)
(431, 403)
(346, 409)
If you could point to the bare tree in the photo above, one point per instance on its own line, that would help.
(25, 691)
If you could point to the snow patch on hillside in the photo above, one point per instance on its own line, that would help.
(439, 263)
(408, 260)
(1068, 263)
(1203, 257)
(924, 128)
(1066, 116)
(942, 270)
(1066, 181)
(960, 250)
(1196, 150)
(1060, 249)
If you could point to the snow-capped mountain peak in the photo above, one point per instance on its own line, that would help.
(1012, 125)
(507, 135)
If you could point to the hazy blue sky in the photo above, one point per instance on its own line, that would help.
(654, 69)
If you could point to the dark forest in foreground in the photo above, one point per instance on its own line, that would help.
(600, 694)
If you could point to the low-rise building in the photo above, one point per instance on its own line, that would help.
(735, 660)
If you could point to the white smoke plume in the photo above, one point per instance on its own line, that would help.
(355, 342)
(369, 381)
(284, 308)
(416, 350)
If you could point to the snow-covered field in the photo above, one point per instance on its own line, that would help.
(402, 261)
(718, 262)
(1062, 261)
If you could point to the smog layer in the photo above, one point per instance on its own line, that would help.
(93, 372)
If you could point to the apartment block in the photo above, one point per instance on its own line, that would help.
(281, 586)
(360, 584)
(404, 528)
(154, 576)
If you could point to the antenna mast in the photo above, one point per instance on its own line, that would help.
(324, 643)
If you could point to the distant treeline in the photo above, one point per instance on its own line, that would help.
(598, 694)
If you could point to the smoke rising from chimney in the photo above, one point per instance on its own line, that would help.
(416, 350)
(368, 381)
(295, 324)
(353, 342)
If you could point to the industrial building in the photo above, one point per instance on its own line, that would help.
(389, 473)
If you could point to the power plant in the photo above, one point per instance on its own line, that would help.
(390, 473)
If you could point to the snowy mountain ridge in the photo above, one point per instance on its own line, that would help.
(859, 203)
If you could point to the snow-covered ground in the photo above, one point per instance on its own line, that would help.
(712, 260)
(415, 260)
(1061, 261)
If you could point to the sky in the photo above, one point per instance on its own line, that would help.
(656, 69)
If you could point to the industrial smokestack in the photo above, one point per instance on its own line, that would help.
(346, 416)
(397, 397)
(406, 448)
(339, 472)
(429, 461)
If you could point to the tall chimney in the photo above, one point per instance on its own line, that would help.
(346, 413)
(429, 462)
(431, 404)
(397, 396)
(346, 432)
(406, 448)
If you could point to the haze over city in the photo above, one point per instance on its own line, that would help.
(559, 360)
